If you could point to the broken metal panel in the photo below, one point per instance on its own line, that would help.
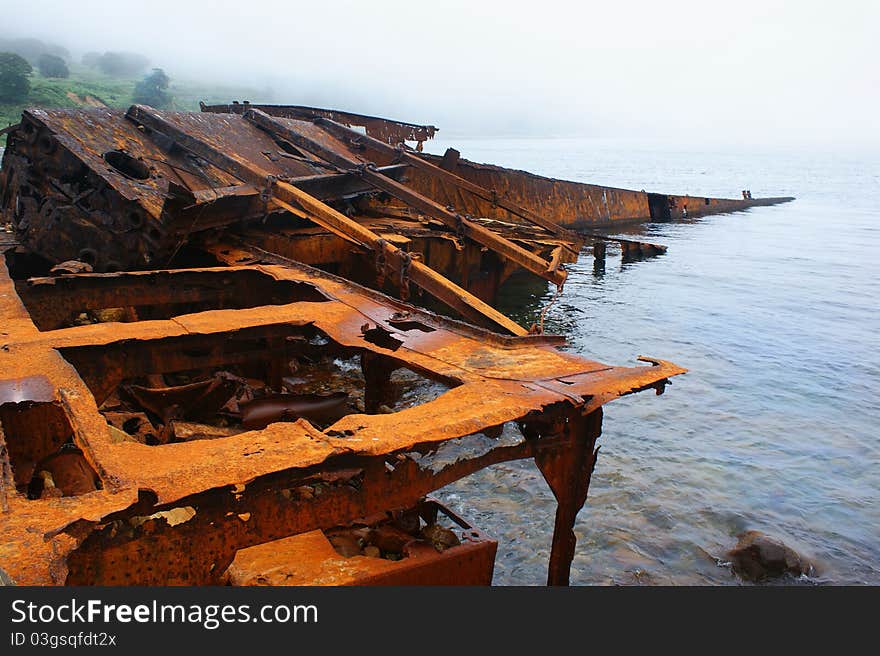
(103, 179)
(681, 207)
(386, 130)
(571, 204)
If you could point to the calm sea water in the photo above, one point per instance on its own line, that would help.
(775, 311)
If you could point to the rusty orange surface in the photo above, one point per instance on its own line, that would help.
(115, 194)
(494, 379)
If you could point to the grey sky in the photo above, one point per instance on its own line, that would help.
(792, 72)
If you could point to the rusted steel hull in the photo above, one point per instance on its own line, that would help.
(574, 205)
(185, 400)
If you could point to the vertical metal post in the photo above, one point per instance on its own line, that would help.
(378, 389)
(567, 469)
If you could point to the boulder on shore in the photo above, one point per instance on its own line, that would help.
(757, 557)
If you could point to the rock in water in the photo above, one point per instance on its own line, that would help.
(757, 557)
(441, 538)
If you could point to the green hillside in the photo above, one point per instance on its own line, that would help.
(87, 87)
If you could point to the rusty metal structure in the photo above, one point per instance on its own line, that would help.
(244, 345)
(569, 204)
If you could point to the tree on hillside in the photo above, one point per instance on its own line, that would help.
(152, 90)
(52, 66)
(14, 83)
(122, 63)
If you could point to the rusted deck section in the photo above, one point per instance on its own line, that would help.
(137, 190)
(132, 189)
(386, 130)
(241, 490)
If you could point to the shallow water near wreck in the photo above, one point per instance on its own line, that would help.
(775, 313)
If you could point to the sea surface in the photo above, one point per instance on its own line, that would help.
(776, 313)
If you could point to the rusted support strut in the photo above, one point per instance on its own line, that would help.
(568, 470)
(326, 186)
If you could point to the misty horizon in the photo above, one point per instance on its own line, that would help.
(760, 73)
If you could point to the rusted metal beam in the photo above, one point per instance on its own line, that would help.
(283, 194)
(374, 176)
(556, 258)
(341, 185)
(323, 187)
(422, 275)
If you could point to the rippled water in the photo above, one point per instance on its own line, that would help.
(775, 313)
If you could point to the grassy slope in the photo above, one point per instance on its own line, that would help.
(113, 92)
